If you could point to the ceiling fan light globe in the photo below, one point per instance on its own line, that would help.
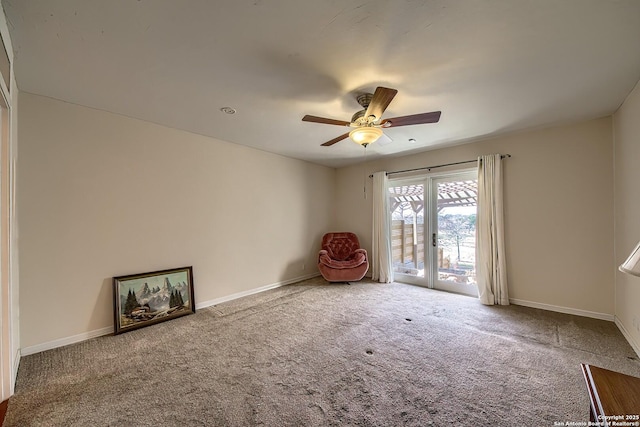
(365, 135)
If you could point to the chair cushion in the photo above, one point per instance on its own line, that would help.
(352, 261)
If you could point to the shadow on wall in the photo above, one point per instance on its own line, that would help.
(102, 313)
(305, 265)
(295, 268)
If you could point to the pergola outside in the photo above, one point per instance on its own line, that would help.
(407, 240)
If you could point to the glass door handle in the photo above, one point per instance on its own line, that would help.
(434, 243)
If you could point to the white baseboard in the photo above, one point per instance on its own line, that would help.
(109, 330)
(205, 304)
(66, 341)
(560, 309)
(627, 335)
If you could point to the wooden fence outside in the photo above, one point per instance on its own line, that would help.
(407, 244)
(404, 251)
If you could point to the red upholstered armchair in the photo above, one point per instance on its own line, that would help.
(341, 259)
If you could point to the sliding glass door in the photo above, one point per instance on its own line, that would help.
(433, 230)
(454, 232)
(406, 202)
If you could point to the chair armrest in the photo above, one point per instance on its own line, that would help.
(322, 252)
(361, 251)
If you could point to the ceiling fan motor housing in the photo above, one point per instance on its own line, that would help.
(365, 99)
(359, 119)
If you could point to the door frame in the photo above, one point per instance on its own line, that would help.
(443, 285)
(429, 180)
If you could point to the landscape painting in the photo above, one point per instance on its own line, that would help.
(144, 299)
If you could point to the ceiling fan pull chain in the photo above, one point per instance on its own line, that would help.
(364, 166)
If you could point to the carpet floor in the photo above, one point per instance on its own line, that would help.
(313, 354)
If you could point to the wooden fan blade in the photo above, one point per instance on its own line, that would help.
(382, 97)
(334, 140)
(415, 119)
(317, 119)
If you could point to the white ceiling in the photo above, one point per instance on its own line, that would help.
(490, 66)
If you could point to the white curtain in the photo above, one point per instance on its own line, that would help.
(381, 267)
(490, 258)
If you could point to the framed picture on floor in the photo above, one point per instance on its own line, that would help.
(144, 299)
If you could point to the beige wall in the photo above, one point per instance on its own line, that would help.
(558, 210)
(102, 195)
(627, 209)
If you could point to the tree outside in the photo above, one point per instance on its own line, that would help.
(453, 229)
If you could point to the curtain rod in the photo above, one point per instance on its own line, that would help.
(428, 168)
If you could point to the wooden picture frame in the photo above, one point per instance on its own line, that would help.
(145, 299)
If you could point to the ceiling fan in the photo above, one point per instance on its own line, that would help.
(368, 122)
